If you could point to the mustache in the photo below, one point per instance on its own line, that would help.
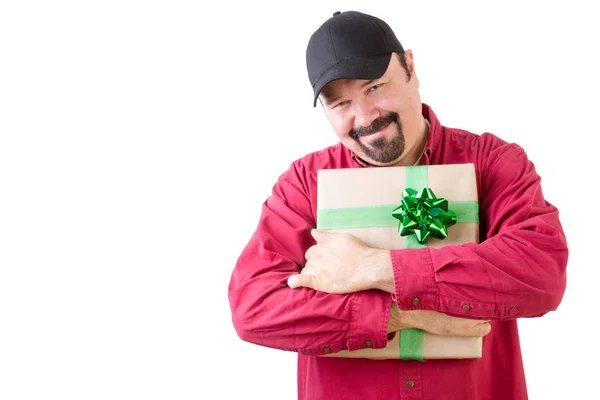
(377, 125)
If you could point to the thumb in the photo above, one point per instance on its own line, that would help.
(474, 328)
(484, 328)
(322, 236)
(296, 281)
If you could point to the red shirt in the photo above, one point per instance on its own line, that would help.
(517, 271)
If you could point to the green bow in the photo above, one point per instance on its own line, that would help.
(424, 215)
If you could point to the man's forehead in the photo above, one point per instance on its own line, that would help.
(339, 84)
(335, 88)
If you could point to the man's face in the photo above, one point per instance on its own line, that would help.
(379, 120)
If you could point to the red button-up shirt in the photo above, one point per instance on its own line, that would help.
(517, 271)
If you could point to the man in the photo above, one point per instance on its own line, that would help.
(316, 293)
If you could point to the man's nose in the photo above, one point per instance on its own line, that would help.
(365, 113)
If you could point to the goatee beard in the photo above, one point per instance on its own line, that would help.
(381, 150)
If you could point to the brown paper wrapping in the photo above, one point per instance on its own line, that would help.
(359, 187)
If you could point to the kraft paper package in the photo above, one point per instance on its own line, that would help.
(404, 207)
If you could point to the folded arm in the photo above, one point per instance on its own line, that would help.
(266, 311)
(518, 270)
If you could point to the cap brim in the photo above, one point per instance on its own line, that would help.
(371, 67)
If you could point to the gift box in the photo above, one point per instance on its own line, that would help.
(404, 207)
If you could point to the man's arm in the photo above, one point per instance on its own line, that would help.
(266, 311)
(518, 270)
(436, 323)
(341, 263)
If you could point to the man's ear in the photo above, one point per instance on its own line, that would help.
(410, 63)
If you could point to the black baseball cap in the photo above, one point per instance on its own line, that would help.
(349, 45)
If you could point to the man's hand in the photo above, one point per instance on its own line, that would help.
(436, 323)
(340, 263)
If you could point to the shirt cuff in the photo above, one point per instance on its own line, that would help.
(414, 281)
(369, 320)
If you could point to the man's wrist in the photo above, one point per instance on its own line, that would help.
(378, 270)
(398, 319)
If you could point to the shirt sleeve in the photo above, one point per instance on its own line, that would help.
(265, 311)
(518, 270)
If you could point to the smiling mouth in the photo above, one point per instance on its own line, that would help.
(376, 132)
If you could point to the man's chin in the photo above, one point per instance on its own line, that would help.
(381, 160)
(385, 164)
(378, 155)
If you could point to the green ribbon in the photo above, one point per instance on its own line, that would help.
(411, 340)
(381, 216)
(411, 344)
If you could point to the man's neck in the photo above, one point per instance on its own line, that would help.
(425, 139)
(415, 154)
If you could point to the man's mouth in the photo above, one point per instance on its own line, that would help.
(376, 132)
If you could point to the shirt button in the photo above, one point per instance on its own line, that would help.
(368, 343)
(416, 301)
(326, 350)
(466, 307)
(410, 384)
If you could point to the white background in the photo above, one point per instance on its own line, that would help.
(139, 139)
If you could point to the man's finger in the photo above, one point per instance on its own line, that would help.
(469, 327)
(442, 324)
(483, 328)
(310, 253)
(466, 327)
(322, 236)
(296, 281)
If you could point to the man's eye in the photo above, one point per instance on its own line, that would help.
(374, 87)
(341, 104)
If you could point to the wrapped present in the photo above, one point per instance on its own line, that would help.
(404, 207)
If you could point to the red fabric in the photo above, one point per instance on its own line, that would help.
(518, 270)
